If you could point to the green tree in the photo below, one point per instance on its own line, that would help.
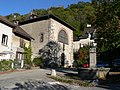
(28, 52)
(107, 21)
(50, 54)
(38, 61)
(83, 55)
(77, 15)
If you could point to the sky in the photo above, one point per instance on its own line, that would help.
(25, 6)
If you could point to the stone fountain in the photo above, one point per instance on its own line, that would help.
(93, 72)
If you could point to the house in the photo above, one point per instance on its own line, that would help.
(5, 38)
(50, 28)
(19, 39)
(87, 38)
(12, 39)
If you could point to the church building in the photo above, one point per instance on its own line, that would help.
(50, 28)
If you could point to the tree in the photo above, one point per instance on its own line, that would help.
(77, 15)
(107, 21)
(83, 55)
(50, 53)
(28, 52)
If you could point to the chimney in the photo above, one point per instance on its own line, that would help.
(15, 21)
(32, 15)
(88, 25)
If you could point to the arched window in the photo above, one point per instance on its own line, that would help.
(62, 37)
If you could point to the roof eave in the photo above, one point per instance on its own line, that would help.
(45, 17)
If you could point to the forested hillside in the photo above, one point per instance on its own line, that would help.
(77, 15)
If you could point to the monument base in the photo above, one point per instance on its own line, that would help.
(53, 72)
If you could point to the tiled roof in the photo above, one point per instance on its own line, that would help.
(87, 31)
(19, 31)
(45, 17)
(6, 22)
(16, 29)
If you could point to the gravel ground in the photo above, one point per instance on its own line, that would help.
(36, 80)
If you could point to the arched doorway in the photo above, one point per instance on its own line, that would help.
(63, 38)
(62, 59)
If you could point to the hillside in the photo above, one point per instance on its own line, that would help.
(76, 15)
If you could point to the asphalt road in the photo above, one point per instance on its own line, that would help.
(10, 80)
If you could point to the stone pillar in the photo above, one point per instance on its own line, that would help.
(22, 63)
(12, 65)
(53, 72)
(92, 55)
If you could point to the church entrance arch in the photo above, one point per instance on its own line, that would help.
(63, 38)
(62, 59)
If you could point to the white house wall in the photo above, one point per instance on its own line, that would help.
(81, 43)
(16, 44)
(4, 29)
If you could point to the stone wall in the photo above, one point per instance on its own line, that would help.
(56, 27)
(50, 28)
(35, 29)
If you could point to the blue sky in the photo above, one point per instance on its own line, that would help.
(25, 6)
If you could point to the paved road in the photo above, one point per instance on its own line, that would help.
(9, 80)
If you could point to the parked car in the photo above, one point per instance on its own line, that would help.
(86, 65)
(116, 64)
(102, 64)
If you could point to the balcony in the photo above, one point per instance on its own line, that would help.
(19, 49)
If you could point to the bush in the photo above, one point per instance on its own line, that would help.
(5, 65)
(38, 61)
(28, 55)
(81, 62)
(26, 66)
(53, 65)
(83, 56)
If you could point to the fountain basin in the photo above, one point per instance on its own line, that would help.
(93, 73)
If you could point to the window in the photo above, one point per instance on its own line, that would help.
(41, 37)
(62, 37)
(20, 56)
(21, 43)
(4, 39)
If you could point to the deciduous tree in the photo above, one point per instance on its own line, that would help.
(107, 21)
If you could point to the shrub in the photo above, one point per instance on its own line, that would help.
(5, 65)
(81, 62)
(26, 66)
(28, 52)
(38, 61)
(83, 55)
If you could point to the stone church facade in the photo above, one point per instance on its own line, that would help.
(50, 28)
